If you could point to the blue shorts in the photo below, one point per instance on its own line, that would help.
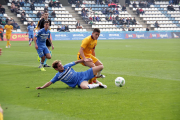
(87, 75)
(31, 36)
(42, 51)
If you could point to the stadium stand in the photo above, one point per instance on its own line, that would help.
(4, 18)
(109, 17)
(62, 17)
(160, 16)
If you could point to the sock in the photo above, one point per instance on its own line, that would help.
(41, 64)
(93, 86)
(7, 43)
(51, 53)
(45, 61)
(99, 73)
(91, 80)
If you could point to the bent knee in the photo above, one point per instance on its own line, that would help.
(101, 66)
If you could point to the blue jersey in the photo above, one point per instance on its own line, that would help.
(42, 35)
(31, 29)
(68, 76)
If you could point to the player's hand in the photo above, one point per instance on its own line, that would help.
(36, 46)
(87, 60)
(52, 47)
(39, 88)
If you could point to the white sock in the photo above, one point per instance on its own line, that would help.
(99, 73)
(30, 41)
(41, 64)
(93, 86)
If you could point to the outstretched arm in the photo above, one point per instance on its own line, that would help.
(44, 86)
(82, 60)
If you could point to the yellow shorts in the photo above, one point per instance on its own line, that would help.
(8, 36)
(1, 116)
(94, 59)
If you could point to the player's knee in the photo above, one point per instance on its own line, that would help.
(84, 87)
(101, 67)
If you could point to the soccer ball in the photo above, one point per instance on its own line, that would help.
(119, 81)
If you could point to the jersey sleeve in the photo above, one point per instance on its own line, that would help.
(54, 79)
(69, 64)
(5, 27)
(85, 42)
(40, 22)
(39, 33)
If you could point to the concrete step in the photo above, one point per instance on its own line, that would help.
(78, 18)
(13, 15)
(133, 14)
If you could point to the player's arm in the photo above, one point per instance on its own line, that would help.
(84, 44)
(81, 51)
(82, 60)
(36, 46)
(50, 41)
(93, 52)
(35, 38)
(45, 85)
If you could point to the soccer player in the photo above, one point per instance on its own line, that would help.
(30, 30)
(1, 113)
(8, 29)
(72, 78)
(40, 44)
(42, 16)
(0, 51)
(1, 32)
(87, 50)
(40, 26)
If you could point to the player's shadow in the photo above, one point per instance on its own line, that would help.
(63, 89)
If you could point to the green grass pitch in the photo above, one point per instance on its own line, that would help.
(150, 67)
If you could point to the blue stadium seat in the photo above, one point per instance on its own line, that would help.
(35, 4)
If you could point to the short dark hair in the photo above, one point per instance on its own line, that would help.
(46, 22)
(96, 30)
(55, 63)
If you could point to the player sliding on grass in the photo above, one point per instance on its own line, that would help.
(72, 78)
(87, 50)
(40, 45)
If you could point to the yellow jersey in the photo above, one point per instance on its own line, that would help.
(88, 44)
(1, 116)
(8, 28)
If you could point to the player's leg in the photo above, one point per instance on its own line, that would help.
(8, 38)
(48, 56)
(31, 38)
(99, 75)
(42, 56)
(86, 85)
(48, 44)
(90, 73)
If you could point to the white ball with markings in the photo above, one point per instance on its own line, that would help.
(119, 81)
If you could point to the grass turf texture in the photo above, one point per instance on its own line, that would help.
(151, 69)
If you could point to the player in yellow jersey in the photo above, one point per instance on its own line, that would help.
(1, 113)
(8, 29)
(87, 50)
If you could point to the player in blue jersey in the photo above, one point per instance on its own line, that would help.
(72, 78)
(30, 31)
(40, 44)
